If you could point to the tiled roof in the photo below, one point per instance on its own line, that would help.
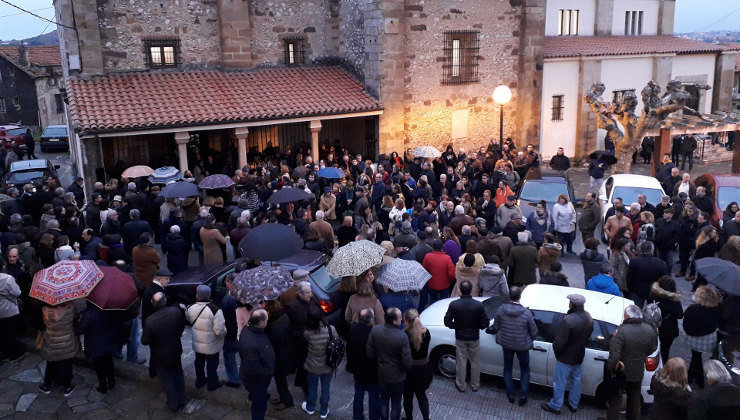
(39, 56)
(135, 101)
(590, 46)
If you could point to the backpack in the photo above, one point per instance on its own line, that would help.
(651, 314)
(334, 350)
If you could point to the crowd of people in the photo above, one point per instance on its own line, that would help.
(456, 215)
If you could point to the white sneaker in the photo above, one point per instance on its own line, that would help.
(303, 406)
(325, 415)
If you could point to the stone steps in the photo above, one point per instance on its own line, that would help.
(715, 153)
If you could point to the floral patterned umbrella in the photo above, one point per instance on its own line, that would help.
(165, 175)
(217, 181)
(355, 258)
(137, 171)
(265, 282)
(401, 275)
(64, 281)
(427, 152)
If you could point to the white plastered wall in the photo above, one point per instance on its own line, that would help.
(696, 68)
(649, 19)
(559, 78)
(587, 13)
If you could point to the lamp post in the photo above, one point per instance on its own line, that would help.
(502, 96)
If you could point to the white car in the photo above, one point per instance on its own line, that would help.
(628, 187)
(549, 305)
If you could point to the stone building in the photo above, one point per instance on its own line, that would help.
(625, 44)
(428, 67)
(30, 78)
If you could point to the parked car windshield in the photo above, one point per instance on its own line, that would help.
(542, 190)
(23, 177)
(55, 131)
(629, 194)
(326, 282)
(727, 195)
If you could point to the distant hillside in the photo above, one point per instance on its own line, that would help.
(50, 38)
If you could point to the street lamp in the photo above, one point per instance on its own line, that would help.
(502, 96)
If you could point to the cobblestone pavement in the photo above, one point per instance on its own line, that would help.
(137, 396)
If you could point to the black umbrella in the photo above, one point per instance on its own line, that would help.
(606, 156)
(721, 273)
(179, 190)
(270, 242)
(286, 195)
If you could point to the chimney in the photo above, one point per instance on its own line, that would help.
(23, 58)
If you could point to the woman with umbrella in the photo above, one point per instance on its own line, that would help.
(600, 161)
(364, 298)
(103, 332)
(706, 247)
(59, 345)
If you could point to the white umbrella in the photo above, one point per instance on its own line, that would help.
(355, 258)
(427, 152)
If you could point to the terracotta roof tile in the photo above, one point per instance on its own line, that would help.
(39, 56)
(135, 101)
(590, 46)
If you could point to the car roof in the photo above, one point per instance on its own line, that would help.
(544, 297)
(724, 180)
(57, 126)
(20, 165)
(9, 127)
(631, 180)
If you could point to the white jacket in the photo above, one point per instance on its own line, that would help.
(396, 214)
(209, 329)
(9, 292)
(563, 217)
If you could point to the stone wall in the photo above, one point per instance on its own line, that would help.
(123, 25)
(352, 35)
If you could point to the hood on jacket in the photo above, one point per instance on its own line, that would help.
(705, 296)
(552, 247)
(590, 255)
(602, 281)
(492, 270)
(658, 291)
(466, 271)
(513, 309)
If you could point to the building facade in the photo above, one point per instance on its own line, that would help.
(30, 78)
(431, 66)
(624, 44)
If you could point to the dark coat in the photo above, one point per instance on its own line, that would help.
(131, 231)
(514, 327)
(671, 402)
(177, 252)
(228, 309)
(163, 334)
(572, 335)
(102, 330)
(362, 367)
(278, 332)
(701, 320)
(512, 229)
(642, 273)
(633, 341)
(146, 301)
(467, 317)
(590, 217)
(522, 263)
(390, 349)
(257, 356)
(591, 261)
(670, 309)
(666, 234)
(555, 279)
(720, 401)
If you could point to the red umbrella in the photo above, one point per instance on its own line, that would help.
(64, 281)
(116, 291)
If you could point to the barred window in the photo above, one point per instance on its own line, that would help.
(557, 108)
(294, 51)
(162, 52)
(633, 22)
(617, 94)
(460, 57)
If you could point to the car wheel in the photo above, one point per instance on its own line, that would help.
(444, 362)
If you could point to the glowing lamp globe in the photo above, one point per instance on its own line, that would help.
(502, 95)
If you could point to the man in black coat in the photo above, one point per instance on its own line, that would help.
(163, 334)
(643, 271)
(132, 230)
(90, 244)
(362, 367)
(92, 213)
(560, 162)
(486, 208)
(702, 201)
(297, 310)
(666, 237)
(76, 188)
(258, 362)
(30, 143)
(569, 346)
(467, 317)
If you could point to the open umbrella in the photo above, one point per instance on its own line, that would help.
(179, 190)
(721, 273)
(64, 281)
(355, 258)
(165, 175)
(402, 275)
(217, 181)
(137, 171)
(427, 152)
(606, 155)
(265, 282)
(286, 195)
(116, 291)
(332, 173)
(270, 242)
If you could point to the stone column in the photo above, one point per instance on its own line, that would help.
(315, 129)
(182, 138)
(241, 134)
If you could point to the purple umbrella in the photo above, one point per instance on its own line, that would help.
(215, 182)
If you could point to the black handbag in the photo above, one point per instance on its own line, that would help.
(614, 382)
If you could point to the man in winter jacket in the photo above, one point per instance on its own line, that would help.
(362, 367)
(9, 317)
(258, 362)
(515, 331)
(163, 333)
(633, 341)
(209, 329)
(642, 272)
(596, 170)
(666, 237)
(492, 279)
(514, 226)
(688, 145)
(604, 282)
(440, 266)
(503, 214)
(467, 317)
(522, 262)
(569, 347)
(590, 217)
(132, 230)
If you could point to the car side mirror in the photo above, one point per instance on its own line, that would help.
(57, 166)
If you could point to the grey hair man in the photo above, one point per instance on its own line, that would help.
(720, 396)
(632, 343)
(297, 308)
